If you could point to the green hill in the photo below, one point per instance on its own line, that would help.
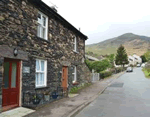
(133, 44)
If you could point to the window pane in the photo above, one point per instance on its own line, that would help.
(37, 65)
(43, 32)
(42, 79)
(73, 77)
(75, 44)
(39, 16)
(44, 21)
(40, 74)
(37, 79)
(42, 65)
(75, 40)
(6, 74)
(36, 76)
(75, 73)
(38, 30)
(13, 75)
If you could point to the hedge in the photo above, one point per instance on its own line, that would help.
(118, 69)
(105, 74)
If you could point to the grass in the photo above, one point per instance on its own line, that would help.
(147, 74)
(76, 89)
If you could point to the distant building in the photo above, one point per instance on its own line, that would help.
(137, 59)
(131, 60)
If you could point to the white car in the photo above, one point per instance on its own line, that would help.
(138, 65)
(143, 65)
(129, 69)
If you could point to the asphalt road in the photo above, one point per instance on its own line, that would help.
(127, 96)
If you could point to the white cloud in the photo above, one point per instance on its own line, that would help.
(100, 17)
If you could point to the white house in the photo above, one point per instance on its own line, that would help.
(131, 60)
(137, 59)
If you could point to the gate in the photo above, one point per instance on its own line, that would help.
(95, 77)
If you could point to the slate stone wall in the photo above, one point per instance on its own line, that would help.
(18, 28)
(1, 78)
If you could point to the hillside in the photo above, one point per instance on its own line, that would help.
(132, 43)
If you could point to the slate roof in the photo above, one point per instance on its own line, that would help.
(91, 58)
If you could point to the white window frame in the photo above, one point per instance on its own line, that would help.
(75, 44)
(40, 21)
(39, 71)
(75, 74)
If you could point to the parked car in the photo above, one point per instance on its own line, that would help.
(129, 69)
(138, 65)
(143, 65)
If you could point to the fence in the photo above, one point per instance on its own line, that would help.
(95, 77)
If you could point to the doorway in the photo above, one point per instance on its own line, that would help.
(65, 78)
(11, 84)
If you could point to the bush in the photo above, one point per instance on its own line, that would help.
(98, 66)
(147, 74)
(148, 70)
(105, 74)
(75, 89)
(113, 70)
(118, 69)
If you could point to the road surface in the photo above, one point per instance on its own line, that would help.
(127, 96)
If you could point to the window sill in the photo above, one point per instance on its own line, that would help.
(75, 51)
(41, 87)
(42, 39)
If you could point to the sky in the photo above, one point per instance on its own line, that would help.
(105, 19)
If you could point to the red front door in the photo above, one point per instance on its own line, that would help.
(64, 78)
(11, 85)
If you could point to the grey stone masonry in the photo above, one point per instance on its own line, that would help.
(18, 28)
(1, 78)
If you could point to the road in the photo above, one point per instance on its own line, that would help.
(127, 96)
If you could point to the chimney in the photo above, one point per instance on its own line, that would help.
(54, 9)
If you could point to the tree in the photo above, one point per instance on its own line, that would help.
(121, 56)
(99, 66)
(147, 55)
(111, 60)
(143, 58)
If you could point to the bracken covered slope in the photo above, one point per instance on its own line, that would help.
(133, 44)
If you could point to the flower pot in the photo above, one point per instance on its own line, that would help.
(54, 95)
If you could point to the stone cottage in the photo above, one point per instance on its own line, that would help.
(41, 54)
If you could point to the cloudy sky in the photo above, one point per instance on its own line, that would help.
(104, 19)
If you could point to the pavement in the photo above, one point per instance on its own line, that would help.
(17, 112)
(127, 96)
(68, 107)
